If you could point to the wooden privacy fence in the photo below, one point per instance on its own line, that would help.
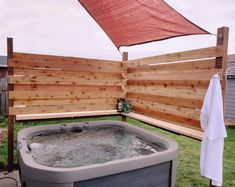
(168, 87)
(172, 87)
(45, 84)
(174, 91)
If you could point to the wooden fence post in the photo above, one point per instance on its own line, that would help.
(124, 78)
(221, 62)
(11, 118)
(222, 40)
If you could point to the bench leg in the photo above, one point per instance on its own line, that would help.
(124, 118)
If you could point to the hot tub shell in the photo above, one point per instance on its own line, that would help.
(157, 169)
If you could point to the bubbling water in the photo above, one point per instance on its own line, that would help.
(90, 146)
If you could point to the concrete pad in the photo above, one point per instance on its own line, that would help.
(6, 182)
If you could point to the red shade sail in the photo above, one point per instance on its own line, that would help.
(130, 22)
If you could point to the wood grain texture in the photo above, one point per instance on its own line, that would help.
(204, 64)
(66, 115)
(170, 92)
(187, 131)
(176, 101)
(45, 83)
(62, 87)
(169, 109)
(222, 40)
(11, 118)
(179, 56)
(170, 83)
(33, 61)
(31, 102)
(60, 108)
(168, 117)
(67, 74)
(124, 74)
(221, 62)
(175, 75)
(64, 59)
(62, 95)
(62, 80)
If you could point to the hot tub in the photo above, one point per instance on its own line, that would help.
(153, 168)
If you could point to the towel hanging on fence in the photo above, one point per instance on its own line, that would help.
(212, 122)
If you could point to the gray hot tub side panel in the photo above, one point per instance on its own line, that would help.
(66, 176)
(156, 175)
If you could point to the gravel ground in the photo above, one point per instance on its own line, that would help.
(9, 182)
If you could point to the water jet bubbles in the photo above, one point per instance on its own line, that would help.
(86, 147)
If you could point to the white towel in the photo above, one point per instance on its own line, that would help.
(212, 122)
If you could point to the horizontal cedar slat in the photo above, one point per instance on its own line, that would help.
(32, 102)
(170, 92)
(168, 117)
(61, 87)
(170, 83)
(172, 75)
(61, 74)
(64, 67)
(63, 95)
(61, 59)
(60, 108)
(64, 80)
(30, 61)
(170, 109)
(180, 66)
(179, 56)
(189, 103)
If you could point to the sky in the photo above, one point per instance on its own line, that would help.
(64, 28)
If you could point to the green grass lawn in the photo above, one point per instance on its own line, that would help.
(188, 171)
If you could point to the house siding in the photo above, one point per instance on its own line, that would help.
(3, 91)
(230, 99)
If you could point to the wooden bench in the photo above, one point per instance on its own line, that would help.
(66, 115)
(193, 133)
